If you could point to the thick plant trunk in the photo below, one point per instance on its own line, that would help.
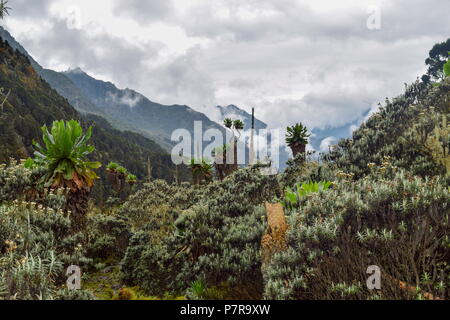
(274, 239)
(298, 149)
(231, 157)
(220, 161)
(77, 204)
(222, 165)
(197, 176)
(235, 159)
(149, 170)
(220, 170)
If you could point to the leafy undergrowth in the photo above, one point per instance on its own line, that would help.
(106, 285)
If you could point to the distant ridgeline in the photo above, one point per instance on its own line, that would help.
(32, 103)
(124, 109)
(412, 131)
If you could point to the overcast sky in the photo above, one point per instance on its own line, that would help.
(312, 61)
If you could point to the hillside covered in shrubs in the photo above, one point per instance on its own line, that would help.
(380, 198)
(386, 204)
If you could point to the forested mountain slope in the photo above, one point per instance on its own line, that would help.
(132, 108)
(57, 81)
(124, 109)
(33, 103)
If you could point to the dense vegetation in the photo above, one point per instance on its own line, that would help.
(380, 198)
(215, 240)
(35, 242)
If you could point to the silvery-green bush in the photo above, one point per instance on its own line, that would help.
(216, 240)
(35, 243)
(390, 219)
(36, 248)
(107, 237)
(156, 204)
(15, 179)
(412, 129)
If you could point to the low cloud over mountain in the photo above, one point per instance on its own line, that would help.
(291, 60)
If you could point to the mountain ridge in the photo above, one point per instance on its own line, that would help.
(234, 112)
(33, 103)
(153, 120)
(133, 108)
(56, 80)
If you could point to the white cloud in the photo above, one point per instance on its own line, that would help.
(129, 98)
(324, 145)
(309, 61)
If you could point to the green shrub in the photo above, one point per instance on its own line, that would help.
(156, 203)
(216, 240)
(37, 249)
(15, 180)
(151, 265)
(35, 243)
(107, 237)
(393, 220)
(66, 294)
(292, 197)
(401, 130)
